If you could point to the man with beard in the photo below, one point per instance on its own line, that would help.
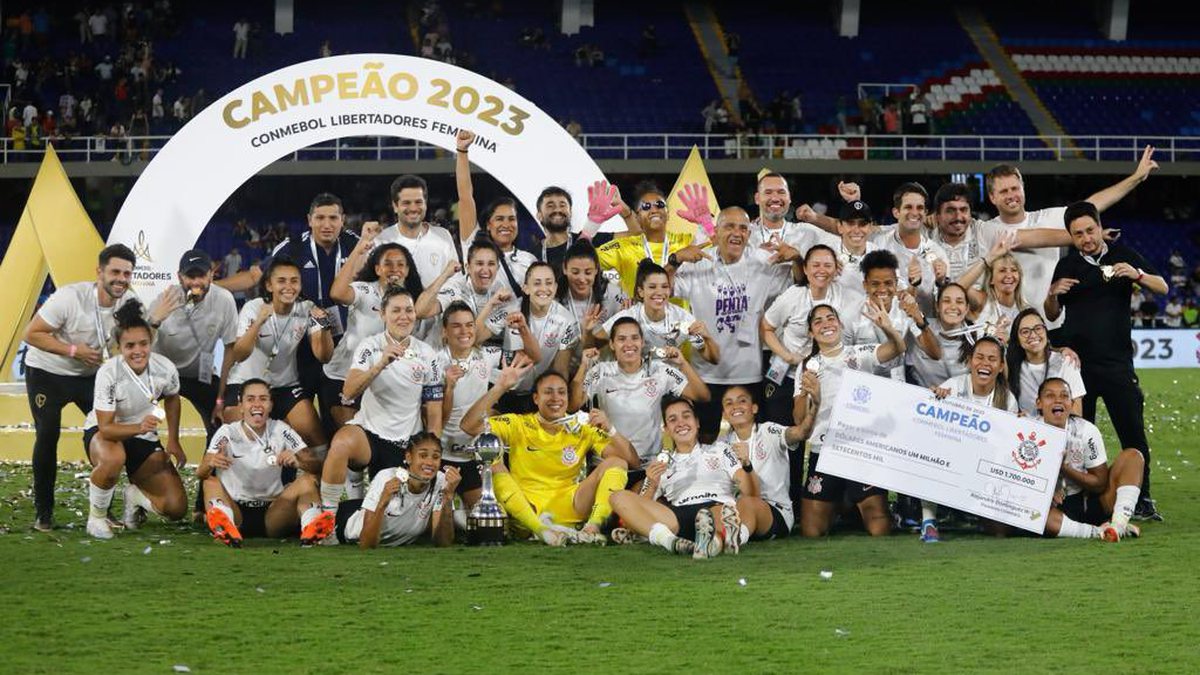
(1006, 191)
(69, 338)
(1095, 281)
(554, 213)
(431, 247)
(190, 318)
(772, 228)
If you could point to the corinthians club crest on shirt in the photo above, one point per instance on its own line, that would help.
(569, 455)
(1026, 454)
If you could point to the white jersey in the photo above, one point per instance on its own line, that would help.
(391, 404)
(1034, 374)
(75, 314)
(703, 475)
(610, 304)
(459, 288)
(431, 250)
(131, 396)
(960, 387)
(930, 372)
(729, 299)
(671, 331)
(191, 330)
(364, 321)
(553, 333)
(829, 374)
(887, 238)
(800, 236)
(1037, 265)
(1085, 450)
(274, 355)
(517, 260)
(863, 331)
(977, 240)
(789, 315)
(479, 371)
(850, 276)
(406, 516)
(255, 474)
(769, 455)
(631, 400)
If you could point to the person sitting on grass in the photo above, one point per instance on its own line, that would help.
(404, 503)
(241, 478)
(766, 449)
(1095, 500)
(696, 484)
(537, 479)
(121, 430)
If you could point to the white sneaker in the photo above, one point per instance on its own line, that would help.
(98, 528)
(134, 515)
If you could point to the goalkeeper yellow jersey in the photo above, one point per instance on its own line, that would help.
(541, 461)
(624, 253)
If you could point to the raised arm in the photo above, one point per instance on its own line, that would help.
(895, 341)
(1116, 192)
(341, 291)
(462, 179)
(473, 420)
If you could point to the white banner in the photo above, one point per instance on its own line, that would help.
(953, 452)
(1166, 348)
(325, 99)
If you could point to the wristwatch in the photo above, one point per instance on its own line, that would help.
(672, 260)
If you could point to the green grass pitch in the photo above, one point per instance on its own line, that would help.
(168, 595)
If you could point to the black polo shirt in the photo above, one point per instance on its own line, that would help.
(1098, 321)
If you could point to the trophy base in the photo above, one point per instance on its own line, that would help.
(485, 530)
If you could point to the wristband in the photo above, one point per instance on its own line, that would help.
(220, 402)
(74, 348)
(748, 467)
(460, 150)
(1140, 275)
(924, 325)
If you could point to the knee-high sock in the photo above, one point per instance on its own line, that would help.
(512, 498)
(1127, 497)
(612, 481)
(138, 497)
(331, 494)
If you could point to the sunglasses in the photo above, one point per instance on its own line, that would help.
(656, 204)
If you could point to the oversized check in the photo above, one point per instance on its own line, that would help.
(953, 452)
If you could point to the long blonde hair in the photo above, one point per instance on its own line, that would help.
(989, 273)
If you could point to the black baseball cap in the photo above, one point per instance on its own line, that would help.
(855, 210)
(195, 261)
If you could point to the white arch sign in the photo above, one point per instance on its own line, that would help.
(325, 99)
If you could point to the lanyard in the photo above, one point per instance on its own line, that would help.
(337, 267)
(275, 330)
(1096, 261)
(259, 441)
(721, 265)
(147, 390)
(666, 331)
(665, 249)
(192, 327)
(769, 235)
(100, 324)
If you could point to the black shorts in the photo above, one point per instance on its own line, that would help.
(344, 511)
(469, 470)
(634, 476)
(823, 487)
(779, 526)
(1085, 507)
(686, 515)
(254, 519)
(283, 399)
(331, 394)
(137, 450)
(385, 454)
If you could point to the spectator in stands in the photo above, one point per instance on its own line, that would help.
(232, 262)
(1191, 313)
(326, 50)
(1176, 261)
(797, 110)
(1135, 300)
(1147, 316)
(98, 23)
(1173, 313)
(891, 119)
(241, 38)
(104, 69)
(85, 31)
(918, 114)
(733, 50)
(179, 110)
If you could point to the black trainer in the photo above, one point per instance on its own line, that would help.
(43, 524)
(1147, 509)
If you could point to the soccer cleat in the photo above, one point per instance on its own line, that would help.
(684, 546)
(731, 523)
(624, 535)
(590, 536)
(708, 545)
(319, 528)
(1112, 534)
(223, 528)
(43, 524)
(1147, 509)
(98, 528)
(134, 515)
(929, 532)
(553, 537)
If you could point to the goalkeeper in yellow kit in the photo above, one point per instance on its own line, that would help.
(537, 481)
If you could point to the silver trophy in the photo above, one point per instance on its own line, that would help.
(485, 524)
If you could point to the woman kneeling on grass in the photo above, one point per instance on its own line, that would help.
(696, 484)
(122, 429)
(404, 503)
(241, 477)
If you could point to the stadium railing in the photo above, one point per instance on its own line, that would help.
(711, 146)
